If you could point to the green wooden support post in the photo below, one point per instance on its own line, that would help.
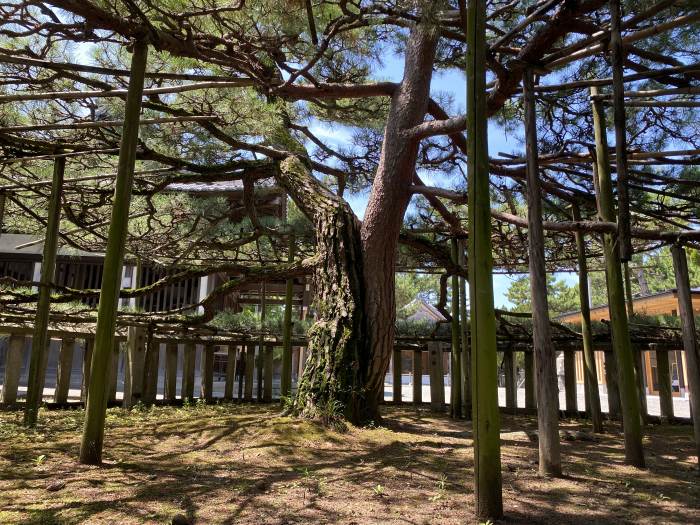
(465, 361)
(63, 371)
(249, 371)
(40, 335)
(135, 352)
(417, 377)
(261, 348)
(622, 346)
(188, 366)
(529, 361)
(396, 376)
(3, 203)
(268, 368)
(456, 349)
(638, 355)
(240, 372)
(286, 380)
(486, 415)
(437, 377)
(230, 372)
(690, 337)
(614, 403)
(13, 367)
(114, 373)
(589, 363)
(545, 356)
(89, 344)
(93, 433)
(170, 391)
(151, 371)
(207, 373)
(663, 374)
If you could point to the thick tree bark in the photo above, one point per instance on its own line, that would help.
(389, 198)
(334, 380)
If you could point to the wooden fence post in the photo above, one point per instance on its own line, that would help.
(612, 386)
(509, 375)
(286, 378)
(641, 389)
(437, 377)
(63, 371)
(230, 372)
(188, 366)
(663, 374)
(529, 361)
(136, 351)
(40, 335)
(417, 376)
(150, 372)
(170, 392)
(207, 373)
(241, 372)
(570, 391)
(93, 432)
(455, 349)
(396, 376)
(114, 372)
(268, 367)
(249, 371)
(87, 361)
(13, 367)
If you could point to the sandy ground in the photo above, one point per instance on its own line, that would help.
(245, 464)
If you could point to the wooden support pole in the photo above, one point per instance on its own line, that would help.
(170, 391)
(529, 359)
(150, 371)
(261, 351)
(230, 372)
(465, 361)
(437, 380)
(663, 374)
(456, 349)
(570, 393)
(268, 367)
(629, 300)
(417, 377)
(207, 373)
(93, 433)
(188, 369)
(241, 372)
(639, 381)
(690, 342)
(613, 389)
(622, 346)
(396, 376)
(510, 385)
(288, 327)
(63, 371)
(590, 374)
(113, 373)
(87, 362)
(13, 367)
(249, 371)
(545, 360)
(486, 415)
(3, 201)
(40, 335)
(620, 121)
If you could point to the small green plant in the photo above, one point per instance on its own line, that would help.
(379, 490)
(287, 403)
(201, 403)
(39, 460)
(187, 403)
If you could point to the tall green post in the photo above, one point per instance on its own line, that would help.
(622, 346)
(485, 412)
(40, 336)
(93, 431)
(286, 382)
(456, 350)
(465, 362)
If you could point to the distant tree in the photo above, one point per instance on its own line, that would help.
(562, 297)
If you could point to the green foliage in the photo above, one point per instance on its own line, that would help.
(562, 297)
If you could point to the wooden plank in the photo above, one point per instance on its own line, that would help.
(171, 351)
(13, 368)
(64, 369)
(207, 373)
(663, 374)
(136, 349)
(230, 372)
(570, 393)
(268, 364)
(188, 366)
(437, 379)
(417, 377)
(396, 376)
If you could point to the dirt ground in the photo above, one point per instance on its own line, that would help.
(244, 464)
